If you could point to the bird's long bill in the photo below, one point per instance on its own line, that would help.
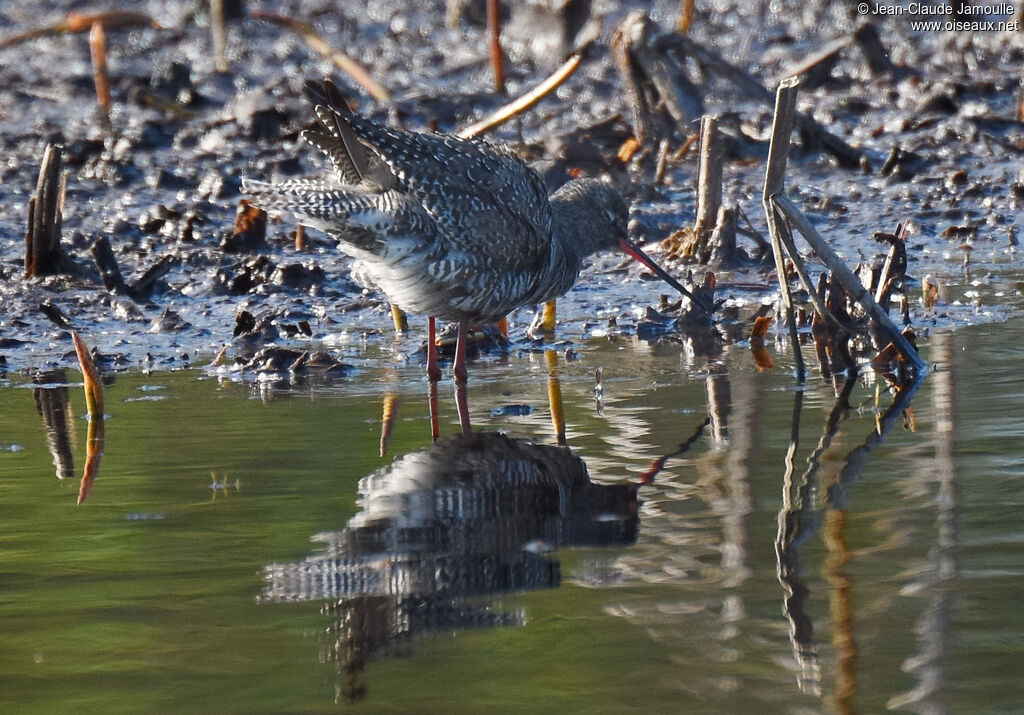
(634, 252)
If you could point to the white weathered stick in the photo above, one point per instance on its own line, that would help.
(846, 278)
(709, 179)
(778, 152)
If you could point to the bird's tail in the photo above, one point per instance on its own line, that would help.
(346, 213)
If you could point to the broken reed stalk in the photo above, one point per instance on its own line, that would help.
(709, 179)
(318, 44)
(786, 236)
(452, 12)
(110, 274)
(42, 239)
(848, 280)
(91, 375)
(94, 405)
(524, 102)
(494, 33)
(778, 152)
(113, 19)
(98, 53)
(220, 57)
(777, 204)
(661, 162)
(685, 15)
(80, 22)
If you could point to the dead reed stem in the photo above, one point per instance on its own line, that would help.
(98, 53)
(777, 204)
(526, 101)
(94, 405)
(494, 34)
(42, 238)
(778, 152)
(709, 179)
(218, 35)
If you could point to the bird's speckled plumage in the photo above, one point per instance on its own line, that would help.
(459, 229)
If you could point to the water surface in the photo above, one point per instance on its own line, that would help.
(870, 575)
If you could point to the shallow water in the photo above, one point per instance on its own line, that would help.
(187, 581)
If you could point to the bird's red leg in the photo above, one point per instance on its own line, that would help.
(462, 405)
(461, 374)
(433, 371)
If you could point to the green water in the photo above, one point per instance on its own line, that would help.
(150, 596)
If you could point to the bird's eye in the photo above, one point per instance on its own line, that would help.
(609, 215)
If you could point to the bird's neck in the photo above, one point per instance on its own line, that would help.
(565, 260)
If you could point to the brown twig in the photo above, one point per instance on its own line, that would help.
(526, 101)
(94, 405)
(494, 32)
(319, 45)
(112, 19)
(98, 53)
(685, 15)
(80, 22)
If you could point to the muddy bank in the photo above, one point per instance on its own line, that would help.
(937, 129)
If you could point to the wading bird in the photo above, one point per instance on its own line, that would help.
(457, 229)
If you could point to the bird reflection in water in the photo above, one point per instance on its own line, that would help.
(442, 530)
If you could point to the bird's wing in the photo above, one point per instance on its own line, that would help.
(478, 194)
(334, 137)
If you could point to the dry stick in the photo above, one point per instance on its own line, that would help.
(685, 15)
(526, 101)
(217, 33)
(318, 44)
(42, 240)
(452, 12)
(94, 405)
(846, 279)
(778, 152)
(98, 52)
(709, 179)
(786, 236)
(723, 237)
(662, 161)
(820, 61)
(80, 22)
(110, 274)
(494, 30)
(113, 19)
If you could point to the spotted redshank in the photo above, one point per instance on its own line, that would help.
(457, 229)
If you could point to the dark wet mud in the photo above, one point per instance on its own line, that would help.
(937, 133)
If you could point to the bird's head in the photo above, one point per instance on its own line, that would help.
(595, 217)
